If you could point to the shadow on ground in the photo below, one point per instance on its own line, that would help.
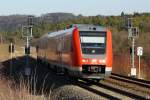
(42, 79)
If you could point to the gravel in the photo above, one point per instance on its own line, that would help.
(71, 92)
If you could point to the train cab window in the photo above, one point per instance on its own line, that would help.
(93, 42)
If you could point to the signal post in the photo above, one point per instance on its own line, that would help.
(133, 33)
(27, 33)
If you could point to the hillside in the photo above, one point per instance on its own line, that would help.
(57, 17)
(13, 22)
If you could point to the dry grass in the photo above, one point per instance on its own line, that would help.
(10, 91)
(4, 55)
(122, 65)
(19, 51)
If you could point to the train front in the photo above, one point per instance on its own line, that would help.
(96, 52)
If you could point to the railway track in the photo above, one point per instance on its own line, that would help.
(119, 87)
(100, 91)
(136, 81)
(110, 91)
(137, 88)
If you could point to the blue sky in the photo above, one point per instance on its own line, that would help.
(84, 7)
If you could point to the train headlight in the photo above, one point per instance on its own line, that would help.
(102, 61)
(84, 60)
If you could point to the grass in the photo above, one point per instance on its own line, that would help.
(19, 51)
(22, 88)
(9, 90)
(122, 65)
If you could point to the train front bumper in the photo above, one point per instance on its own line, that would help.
(80, 74)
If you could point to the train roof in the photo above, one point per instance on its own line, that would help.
(81, 27)
(87, 27)
(53, 34)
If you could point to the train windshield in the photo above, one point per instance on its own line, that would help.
(93, 42)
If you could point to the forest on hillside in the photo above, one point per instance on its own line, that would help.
(10, 28)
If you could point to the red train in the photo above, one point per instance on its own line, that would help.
(83, 51)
